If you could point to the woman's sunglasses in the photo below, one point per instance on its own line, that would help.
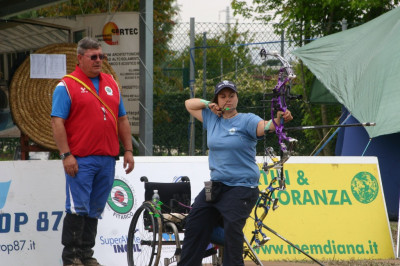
(94, 56)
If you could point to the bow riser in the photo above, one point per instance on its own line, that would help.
(278, 104)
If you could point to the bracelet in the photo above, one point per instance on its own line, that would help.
(266, 128)
(129, 151)
(206, 103)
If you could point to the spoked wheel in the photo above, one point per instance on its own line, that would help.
(144, 237)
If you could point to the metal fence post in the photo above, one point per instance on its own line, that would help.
(191, 82)
(344, 24)
(146, 78)
(222, 68)
(204, 86)
(283, 43)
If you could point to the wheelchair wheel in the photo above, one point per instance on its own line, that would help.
(144, 237)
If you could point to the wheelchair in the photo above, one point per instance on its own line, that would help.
(158, 224)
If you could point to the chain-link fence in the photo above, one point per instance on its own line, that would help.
(226, 46)
(221, 51)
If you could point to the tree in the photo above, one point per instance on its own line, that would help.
(304, 20)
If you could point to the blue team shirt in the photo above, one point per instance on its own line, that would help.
(232, 148)
(62, 102)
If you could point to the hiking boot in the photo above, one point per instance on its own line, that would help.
(88, 242)
(71, 238)
(91, 262)
(75, 262)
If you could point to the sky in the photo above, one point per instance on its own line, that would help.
(206, 10)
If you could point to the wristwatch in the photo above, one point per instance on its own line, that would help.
(65, 155)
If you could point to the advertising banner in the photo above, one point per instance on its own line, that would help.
(111, 243)
(32, 200)
(333, 209)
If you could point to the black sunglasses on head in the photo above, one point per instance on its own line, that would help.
(94, 56)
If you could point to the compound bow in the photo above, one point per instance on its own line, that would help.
(280, 94)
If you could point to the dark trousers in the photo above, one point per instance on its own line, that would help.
(234, 205)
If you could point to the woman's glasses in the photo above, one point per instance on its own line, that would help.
(94, 56)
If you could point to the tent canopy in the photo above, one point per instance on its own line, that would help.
(361, 68)
(320, 95)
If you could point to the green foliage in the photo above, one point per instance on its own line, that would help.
(249, 79)
(79, 7)
(171, 121)
(7, 148)
(303, 20)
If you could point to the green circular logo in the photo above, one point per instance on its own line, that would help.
(364, 187)
(121, 197)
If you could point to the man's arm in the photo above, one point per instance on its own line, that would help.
(60, 137)
(124, 133)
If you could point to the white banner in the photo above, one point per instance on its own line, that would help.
(113, 229)
(32, 195)
(32, 198)
(48, 66)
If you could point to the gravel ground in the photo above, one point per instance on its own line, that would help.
(339, 263)
(393, 226)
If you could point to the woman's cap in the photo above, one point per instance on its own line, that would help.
(225, 84)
